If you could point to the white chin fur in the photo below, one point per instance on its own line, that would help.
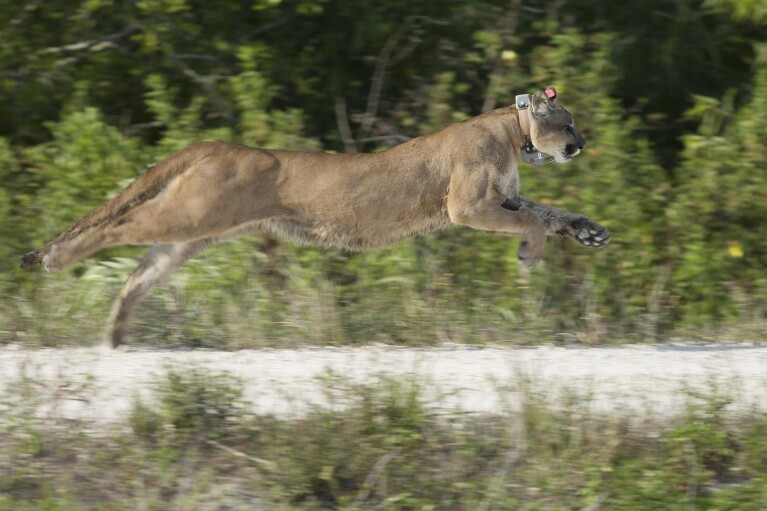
(561, 156)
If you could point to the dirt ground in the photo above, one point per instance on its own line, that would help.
(100, 384)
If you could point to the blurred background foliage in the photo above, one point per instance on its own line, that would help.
(670, 94)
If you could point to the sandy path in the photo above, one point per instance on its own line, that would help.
(635, 379)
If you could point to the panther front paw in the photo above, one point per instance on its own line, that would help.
(589, 233)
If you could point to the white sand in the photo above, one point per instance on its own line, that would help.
(100, 384)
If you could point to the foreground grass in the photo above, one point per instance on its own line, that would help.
(378, 446)
(237, 297)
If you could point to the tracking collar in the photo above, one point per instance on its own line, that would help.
(530, 154)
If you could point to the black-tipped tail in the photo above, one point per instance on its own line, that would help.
(32, 258)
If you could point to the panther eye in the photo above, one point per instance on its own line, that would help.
(569, 130)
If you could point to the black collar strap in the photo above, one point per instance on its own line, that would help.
(530, 154)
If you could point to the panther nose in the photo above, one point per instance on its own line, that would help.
(581, 144)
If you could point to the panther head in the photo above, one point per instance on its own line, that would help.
(552, 128)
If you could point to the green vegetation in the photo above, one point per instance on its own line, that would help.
(383, 445)
(670, 94)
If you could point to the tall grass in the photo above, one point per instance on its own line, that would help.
(235, 296)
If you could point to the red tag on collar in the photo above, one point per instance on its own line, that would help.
(551, 94)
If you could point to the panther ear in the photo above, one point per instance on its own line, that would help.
(540, 107)
(544, 102)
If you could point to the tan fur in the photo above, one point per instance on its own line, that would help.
(464, 174)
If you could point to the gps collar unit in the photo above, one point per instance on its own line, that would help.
(530, 154)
